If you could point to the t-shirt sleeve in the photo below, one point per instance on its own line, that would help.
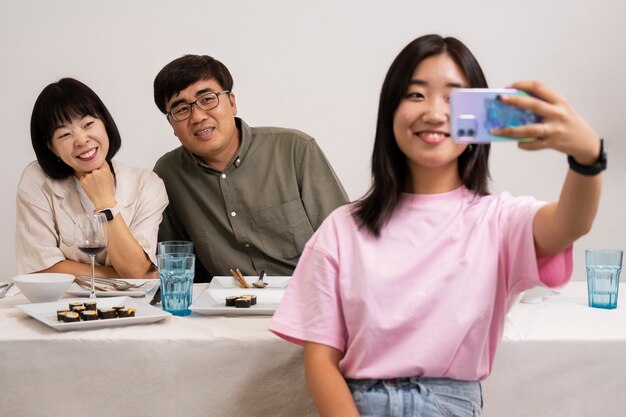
(36, 236)
(522, 267)
(311, 309)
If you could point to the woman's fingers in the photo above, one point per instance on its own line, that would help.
(99, 185)
(537, 106)
(539, 90)
(561, 128)
(536, 130)
(534, 145)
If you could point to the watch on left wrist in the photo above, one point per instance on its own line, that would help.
(110, 213)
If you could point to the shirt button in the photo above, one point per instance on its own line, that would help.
(223, 175)
(233, 214)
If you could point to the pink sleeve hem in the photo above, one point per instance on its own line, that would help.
(555, 271)
(299, 337)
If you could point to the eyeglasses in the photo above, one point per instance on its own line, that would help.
(205, 102)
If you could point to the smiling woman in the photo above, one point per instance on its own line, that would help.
(75, 139)
(399, 299)
(82, 144)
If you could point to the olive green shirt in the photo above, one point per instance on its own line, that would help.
(259, 212)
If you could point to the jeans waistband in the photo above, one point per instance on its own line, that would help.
(365, 384)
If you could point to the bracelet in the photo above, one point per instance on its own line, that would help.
(590, 170)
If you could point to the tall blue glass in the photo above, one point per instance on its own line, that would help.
(176, 271)
(603, 269)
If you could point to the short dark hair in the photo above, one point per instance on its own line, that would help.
(186, 70)
(389, 166)
(60, 103)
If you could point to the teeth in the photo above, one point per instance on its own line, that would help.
(432, 135)
(205, 131)
(87, 154)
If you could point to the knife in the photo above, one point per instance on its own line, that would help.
(157, 297)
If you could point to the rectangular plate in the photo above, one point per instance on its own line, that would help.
(76, 290)
(213, 301)
(229, 282)
(47, 313)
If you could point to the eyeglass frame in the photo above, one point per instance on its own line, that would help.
(191, 104)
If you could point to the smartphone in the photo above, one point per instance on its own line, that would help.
(475, 111)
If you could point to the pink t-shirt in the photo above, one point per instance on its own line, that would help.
(428, 297)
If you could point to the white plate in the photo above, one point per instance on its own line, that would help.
(229, 282)
(213, 301)
(47, 313)
(76, 290)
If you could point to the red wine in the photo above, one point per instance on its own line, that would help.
(92, 250)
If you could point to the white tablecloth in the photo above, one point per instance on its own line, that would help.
(188, 366)
(559, 358)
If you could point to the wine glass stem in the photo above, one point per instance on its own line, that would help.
(92, 292)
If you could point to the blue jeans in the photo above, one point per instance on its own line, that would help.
(416, 397)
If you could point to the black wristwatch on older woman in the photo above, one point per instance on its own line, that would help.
(590, 170)
(110, 213)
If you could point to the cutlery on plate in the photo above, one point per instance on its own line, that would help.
(157, 297)
(239, 278)
(98, 287)
(3, 292)
(119, 284)
(259, 283)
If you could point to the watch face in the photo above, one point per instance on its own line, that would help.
(107, 214)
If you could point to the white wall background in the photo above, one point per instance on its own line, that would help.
(317, 66)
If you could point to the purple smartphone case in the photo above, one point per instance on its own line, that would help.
(475, 111)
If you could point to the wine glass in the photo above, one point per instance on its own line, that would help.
(92, 237)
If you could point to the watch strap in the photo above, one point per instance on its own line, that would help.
(590, 170)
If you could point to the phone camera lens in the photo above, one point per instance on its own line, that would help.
(461, 133)
(470, 132)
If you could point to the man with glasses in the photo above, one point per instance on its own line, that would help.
(248, 198)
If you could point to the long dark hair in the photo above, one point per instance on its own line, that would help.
(59, 103)
(389, 165)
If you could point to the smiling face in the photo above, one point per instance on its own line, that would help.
(82, 144)
(421, 123)
(212, 134)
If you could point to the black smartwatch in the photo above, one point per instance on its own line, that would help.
(590, 170)
(110, 213)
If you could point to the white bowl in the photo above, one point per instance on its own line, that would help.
(43, 287)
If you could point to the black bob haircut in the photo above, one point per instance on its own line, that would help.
(60, 103)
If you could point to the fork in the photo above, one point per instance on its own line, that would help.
(85, 284)
(118, 284)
